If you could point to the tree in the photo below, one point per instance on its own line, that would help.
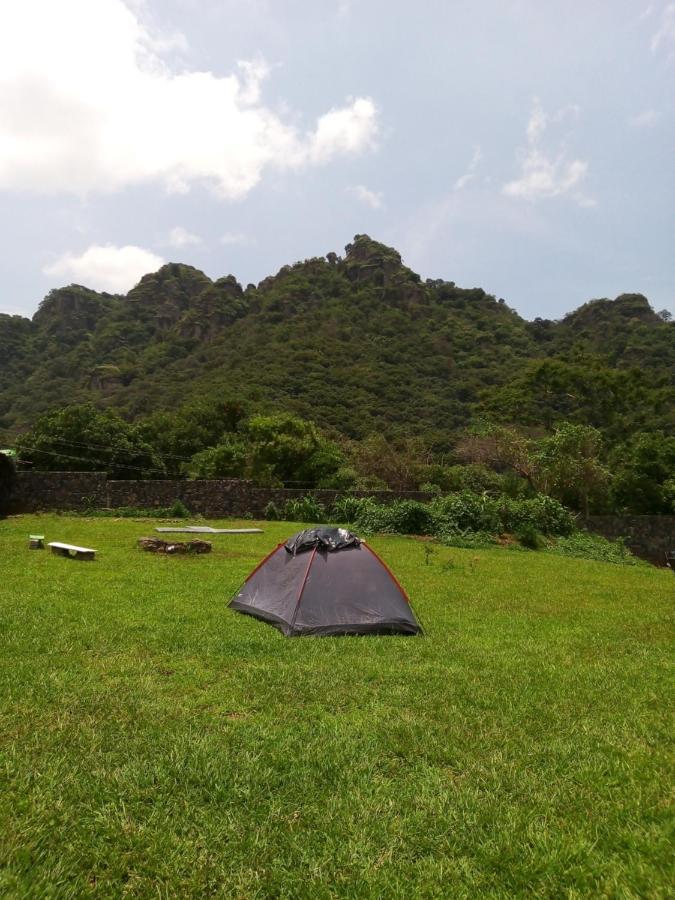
(567, 466)
(644, 480)
(195, 427)
(500, 447)
(290, 450)
(82, 439)
(402, 465)
(227, 460)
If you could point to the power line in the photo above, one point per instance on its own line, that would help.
(124, 465)
(57, 453)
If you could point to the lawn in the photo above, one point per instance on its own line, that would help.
(155, 744)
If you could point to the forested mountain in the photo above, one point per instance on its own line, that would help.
(359, 344)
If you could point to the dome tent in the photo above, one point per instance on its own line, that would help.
(326, 581)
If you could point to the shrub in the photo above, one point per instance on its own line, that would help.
(400, 517)
(529, 537)
(466, 511)
(179, 510)
(592, 546)
(547, 514)
(272, 513)
(304, 509)
(347, 509)
(470, 540)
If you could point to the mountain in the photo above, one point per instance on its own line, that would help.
(359, 344)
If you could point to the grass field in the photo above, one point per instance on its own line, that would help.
(155, 744)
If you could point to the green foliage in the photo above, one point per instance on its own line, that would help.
(584, 545)
(82, 439)
(200, 425)
(133, 512)
(365, 349)
(399, 517)
(287, 449)
(179, 510)
(544, 513)
(228, 460)
(466, 511)
(272, 513)
(473, 477)
(304, 509)
(529, 537)
(347, 509)
(644, 467)
(568, 466)
(459, 514)
(468, 540)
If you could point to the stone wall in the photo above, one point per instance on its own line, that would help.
(649, 537)
(38, 491)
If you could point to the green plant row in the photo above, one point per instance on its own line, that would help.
(464, 519)
(451, 514)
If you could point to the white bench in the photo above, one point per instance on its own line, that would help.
(72, 551)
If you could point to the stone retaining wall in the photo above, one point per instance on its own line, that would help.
(649, 537)
(41, 491)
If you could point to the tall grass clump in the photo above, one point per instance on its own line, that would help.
(593, 546)
(304, 509)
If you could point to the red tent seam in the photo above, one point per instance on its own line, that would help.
(263, 561)
(304, 582)
(394, 578)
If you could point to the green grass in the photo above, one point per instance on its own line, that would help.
(155, 744)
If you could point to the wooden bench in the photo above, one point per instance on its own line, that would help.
(71, 551)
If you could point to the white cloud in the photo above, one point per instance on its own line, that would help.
(347, 130)
(234, 238)
(373, 199)
(666, 32)
(646, 119)
(106, 268)
(87, 103)
(470, 173)
(181, 237)
(543, 175)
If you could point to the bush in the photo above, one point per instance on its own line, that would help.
(400, 517)
(529, 537)
(469, 540)
(545, 514)
(179, 510)
(592, 546)
(272, 513)
(347, 509)
(304, 509)
(466, 511)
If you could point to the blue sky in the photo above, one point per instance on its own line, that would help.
(523, 147)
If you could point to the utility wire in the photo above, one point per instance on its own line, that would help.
(57, 453)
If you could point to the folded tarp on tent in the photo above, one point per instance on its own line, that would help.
(325, 581)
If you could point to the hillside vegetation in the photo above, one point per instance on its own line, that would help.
(359, 345)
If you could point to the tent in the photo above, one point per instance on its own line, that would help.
(326, 581)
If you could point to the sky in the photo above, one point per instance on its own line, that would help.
(527, 148)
